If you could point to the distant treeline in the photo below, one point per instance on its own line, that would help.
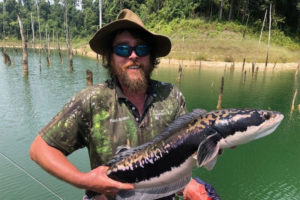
(83, 15)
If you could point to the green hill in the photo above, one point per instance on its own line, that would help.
(196, 39)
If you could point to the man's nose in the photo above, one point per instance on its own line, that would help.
(133, 55)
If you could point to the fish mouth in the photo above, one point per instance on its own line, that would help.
(272, 127)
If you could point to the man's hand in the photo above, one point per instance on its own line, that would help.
(56, 163)
(197, 189)
(99, 182)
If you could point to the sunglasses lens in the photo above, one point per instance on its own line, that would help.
(142, 50)
(123, 50)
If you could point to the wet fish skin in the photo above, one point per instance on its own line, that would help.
(164, 165)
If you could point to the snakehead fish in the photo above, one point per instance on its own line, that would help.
(164, 165)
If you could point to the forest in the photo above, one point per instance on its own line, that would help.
(83, 15)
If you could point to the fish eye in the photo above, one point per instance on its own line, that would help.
(267, 115)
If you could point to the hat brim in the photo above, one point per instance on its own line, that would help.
(99, 42)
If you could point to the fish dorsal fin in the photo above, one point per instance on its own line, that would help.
(208, 150)
(174, 126)
(121, 149)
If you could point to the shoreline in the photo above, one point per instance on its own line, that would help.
(171, 62)
(228, 65)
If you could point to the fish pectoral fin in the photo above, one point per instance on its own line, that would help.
(211, 164)
(208, 150)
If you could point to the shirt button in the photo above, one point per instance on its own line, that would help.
(154, 95)
(137, 119)
(132, 108)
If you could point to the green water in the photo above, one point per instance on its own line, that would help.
(264, 169)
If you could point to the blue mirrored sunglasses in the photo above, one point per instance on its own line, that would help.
(125, 50)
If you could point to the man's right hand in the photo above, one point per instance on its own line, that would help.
(98, 181)
(56, 163)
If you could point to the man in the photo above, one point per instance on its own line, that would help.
(130, 109)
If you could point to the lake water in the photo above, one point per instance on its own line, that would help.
(268, 168)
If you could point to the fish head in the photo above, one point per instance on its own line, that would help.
(246, 125)
(232, 127)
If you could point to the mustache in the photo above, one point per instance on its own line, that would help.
(132, 63)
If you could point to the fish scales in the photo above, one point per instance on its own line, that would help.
(167, 159)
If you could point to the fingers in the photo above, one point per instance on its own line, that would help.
(117, 184)
(103, 184)
(122, 186)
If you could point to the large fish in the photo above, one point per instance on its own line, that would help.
(163, 166)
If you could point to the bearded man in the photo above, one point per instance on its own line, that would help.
(127, 110)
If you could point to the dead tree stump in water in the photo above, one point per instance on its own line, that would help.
(244, 60)
(89, 78)
(245, 74)
(293, 101)
(6, 58)
(59, 51)
(179, 74)
(219, 105)
(24, 47)
(253, 67)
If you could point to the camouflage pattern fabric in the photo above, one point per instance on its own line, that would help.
(101, 119)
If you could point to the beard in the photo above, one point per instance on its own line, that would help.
(139, 84)
(135, 85)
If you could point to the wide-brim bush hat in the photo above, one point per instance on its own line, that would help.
(127, 19)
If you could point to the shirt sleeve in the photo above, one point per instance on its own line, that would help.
(68, 130)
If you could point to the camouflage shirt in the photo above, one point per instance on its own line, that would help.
(101, 119)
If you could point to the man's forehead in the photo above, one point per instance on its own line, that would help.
(126, 37)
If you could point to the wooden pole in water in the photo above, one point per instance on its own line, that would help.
(47, 46)
(32, 29)
(297, 70)
(274, 65)
(219, 105)
(179, 74)
(293, 101)
(269, 37)
(40, 34)
(245, 73)
(6, 58)
(244, 60)
(59, 51)
(53, 39)
(68, 38)
(253, 67)
(3, 28)
(89, 78)
(232, 66)
(256, 72)
(24, 47)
